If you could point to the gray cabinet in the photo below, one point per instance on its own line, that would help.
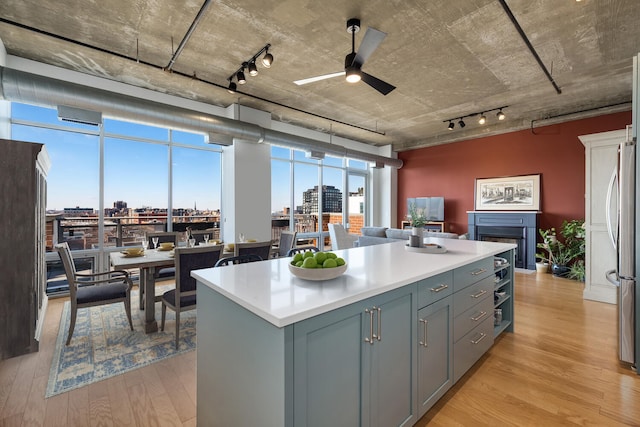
(435, 355)
(23, 169)
(473, 286)
(358, 361)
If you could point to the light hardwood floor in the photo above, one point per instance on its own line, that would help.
(559, 368)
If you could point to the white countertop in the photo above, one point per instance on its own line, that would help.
(270, 291)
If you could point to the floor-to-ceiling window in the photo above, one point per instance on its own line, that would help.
(110, 184)
(307, 194)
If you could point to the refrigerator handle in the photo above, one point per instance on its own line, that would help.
(612, 185)
(612, 277)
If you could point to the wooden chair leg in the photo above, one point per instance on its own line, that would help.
(164, 314)
(72, 324)
(127, 307)
(177, 328)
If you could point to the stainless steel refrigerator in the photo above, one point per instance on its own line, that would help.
(625, 238)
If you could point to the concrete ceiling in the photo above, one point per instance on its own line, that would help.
(447, 58)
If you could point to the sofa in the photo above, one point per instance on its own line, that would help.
(377, 235)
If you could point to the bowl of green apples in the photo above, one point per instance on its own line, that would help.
(317, 265)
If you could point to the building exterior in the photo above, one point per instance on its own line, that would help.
(331, 200)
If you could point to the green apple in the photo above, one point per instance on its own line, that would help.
(330, 263)
(309, 262)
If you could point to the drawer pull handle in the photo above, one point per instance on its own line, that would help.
(479, 294)
(369, 339)
(482, 336)
(439, 288)
(479, 316)
(379, 336)
(478, 271)
(424, 333)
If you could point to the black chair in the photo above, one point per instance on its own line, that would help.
(240, 259)
(183, 297)
(287, 241)
(198, 235)
(262, 249)
(302, 249)
(92, 289)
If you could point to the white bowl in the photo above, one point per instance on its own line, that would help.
(317, 273)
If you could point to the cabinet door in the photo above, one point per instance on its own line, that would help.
(328, 370)
(391, 382)
(357, 360)
(435, 369)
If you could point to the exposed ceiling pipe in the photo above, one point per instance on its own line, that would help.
(186, 37)
(30, 88)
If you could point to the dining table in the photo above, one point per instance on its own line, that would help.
(150, 262)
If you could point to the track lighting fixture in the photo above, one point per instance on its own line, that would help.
(240, 76)
(250, 65)
(267, 60)
(481, 120)
(253, 70)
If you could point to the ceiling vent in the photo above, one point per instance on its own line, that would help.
(78, 115)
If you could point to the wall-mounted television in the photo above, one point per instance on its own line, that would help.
(432, 207)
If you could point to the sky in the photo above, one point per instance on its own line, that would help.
(137, 172)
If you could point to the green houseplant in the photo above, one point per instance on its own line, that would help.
(566, 253)
(417, 216)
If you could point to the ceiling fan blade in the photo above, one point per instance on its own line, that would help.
(372, 38)
(379, 85)
(318, 78)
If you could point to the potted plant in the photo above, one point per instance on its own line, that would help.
(418, 220)
(563, 254)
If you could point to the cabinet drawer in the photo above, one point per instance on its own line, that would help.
(471, 347)
(471, 318)
(468, 274)
(434, 288)
(472, 295)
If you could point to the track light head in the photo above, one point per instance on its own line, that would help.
(451, 125)
(483, 119)
(461, 123)
(267, 60)
(500, 115)
(253, 70)
(240, 76)
(232, 87)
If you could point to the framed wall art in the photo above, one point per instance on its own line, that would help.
(512, 193)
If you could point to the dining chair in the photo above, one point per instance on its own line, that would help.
(340, 238)
(286, 242)
(93, 289)
(163, 236)
(262, 249)
(302, 249)
(183, 297)
(199, 235)
(240, 259)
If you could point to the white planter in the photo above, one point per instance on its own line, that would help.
(542, 267)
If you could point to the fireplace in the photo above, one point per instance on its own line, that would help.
(519, 228)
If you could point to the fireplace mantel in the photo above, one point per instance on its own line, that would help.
(524, 224)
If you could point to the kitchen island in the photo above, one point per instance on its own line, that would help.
(376, 346)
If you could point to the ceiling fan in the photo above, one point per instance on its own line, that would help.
(353, 62)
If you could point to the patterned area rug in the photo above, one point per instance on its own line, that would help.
(103, 346)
